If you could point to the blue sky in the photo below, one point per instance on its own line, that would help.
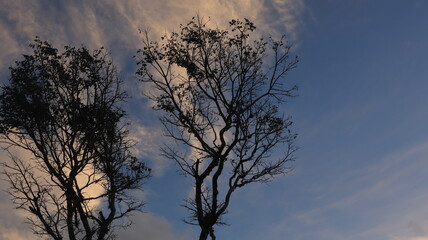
(361, 113)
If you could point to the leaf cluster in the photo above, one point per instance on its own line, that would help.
(220, 91)
(64, 108)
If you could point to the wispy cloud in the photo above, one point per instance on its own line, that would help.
(114, 24)
(411, 238)
(154, 228)
(385, 200)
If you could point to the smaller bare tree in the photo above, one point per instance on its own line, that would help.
(221, 93)
(64, 109)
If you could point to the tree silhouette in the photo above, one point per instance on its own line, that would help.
(220, 91)
(64, 109)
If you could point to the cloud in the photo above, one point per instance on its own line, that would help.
(13, 234)
(144, 224)
(154, 228)
(147, 146)
(411, 238)
(11, 221)
(114, 24)
(385, 199)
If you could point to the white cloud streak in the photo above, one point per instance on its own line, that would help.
(114, 24)
(154, 228)
(386, 199)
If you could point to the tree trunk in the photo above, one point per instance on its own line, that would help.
(204, 234)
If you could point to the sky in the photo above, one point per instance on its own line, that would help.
(361, 114)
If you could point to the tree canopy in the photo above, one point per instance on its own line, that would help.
(221, 93)
(65, 110)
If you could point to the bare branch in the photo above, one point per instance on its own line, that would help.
(220, 93)
(64, 110)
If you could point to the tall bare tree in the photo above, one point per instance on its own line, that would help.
(64, 109)
(221, 91)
